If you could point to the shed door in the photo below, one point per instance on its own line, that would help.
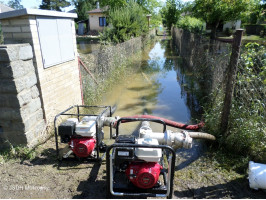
(65, 39)
(56, 40)
(49, 41)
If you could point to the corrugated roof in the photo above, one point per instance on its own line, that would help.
(4, 8)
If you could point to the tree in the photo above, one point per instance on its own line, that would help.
(82, 8)
(113, 3)
(259, 14)
(149, 5)
(127, 22)
(15, 4)
(54, 4)
(171, 12)
(214, 12)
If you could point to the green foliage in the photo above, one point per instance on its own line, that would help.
(228, 31)
(247, 116)
(258, 15)
(82, 8)
(15, 4)
(54, 4)
(113, 3)
(151, 7)
(213, 12)
(147, 5)
(171, 12)
(18, 152)
(190, 23)
(126, 22)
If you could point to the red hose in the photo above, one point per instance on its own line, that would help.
(169, 122)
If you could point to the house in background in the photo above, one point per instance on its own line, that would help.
(232, 25)
(97, 19)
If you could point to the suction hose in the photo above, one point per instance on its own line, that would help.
(200, 135)
(169, 122)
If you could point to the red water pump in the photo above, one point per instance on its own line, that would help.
(144, 175)
(81, 136)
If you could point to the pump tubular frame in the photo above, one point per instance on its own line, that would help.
(126, 120)
(110, 174)
(104, 110)
(109, 162)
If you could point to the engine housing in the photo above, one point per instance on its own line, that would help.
(82, 146)
(144, 174)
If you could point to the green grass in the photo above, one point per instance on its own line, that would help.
(253, 37)
(18, 152)
(247, 37)
(88, 38)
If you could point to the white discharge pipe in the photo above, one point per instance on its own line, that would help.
(175, 140)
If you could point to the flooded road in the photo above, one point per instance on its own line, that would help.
(164, 88)
(154, 88)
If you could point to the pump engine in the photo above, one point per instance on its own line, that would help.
(141, 165)
(84, 132)
(81, 136)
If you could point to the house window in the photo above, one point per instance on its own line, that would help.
(102, 21)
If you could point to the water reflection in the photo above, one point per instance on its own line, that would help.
(160, 88)
(87, 46)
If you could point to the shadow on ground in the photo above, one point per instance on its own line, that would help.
(236, 189)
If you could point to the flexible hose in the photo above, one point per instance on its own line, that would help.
(169, 122)
(200, 135)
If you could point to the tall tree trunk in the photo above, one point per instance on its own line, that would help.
(214, 27)
(214, 30)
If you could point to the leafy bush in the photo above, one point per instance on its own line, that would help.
(191, 24)
(126, 22)
(228, 31)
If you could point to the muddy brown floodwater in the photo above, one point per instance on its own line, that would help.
(160, 88)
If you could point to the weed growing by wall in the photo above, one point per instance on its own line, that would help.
(247, 135)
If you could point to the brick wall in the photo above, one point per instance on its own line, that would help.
(59, 85)
(21, 115)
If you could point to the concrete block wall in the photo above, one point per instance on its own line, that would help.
(31, 92)
(59, 85)
(21, 114)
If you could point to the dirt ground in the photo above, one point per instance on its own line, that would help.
(196, 176)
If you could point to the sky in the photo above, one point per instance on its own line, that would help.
(36, 3)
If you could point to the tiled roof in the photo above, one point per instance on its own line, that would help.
(98, 10)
